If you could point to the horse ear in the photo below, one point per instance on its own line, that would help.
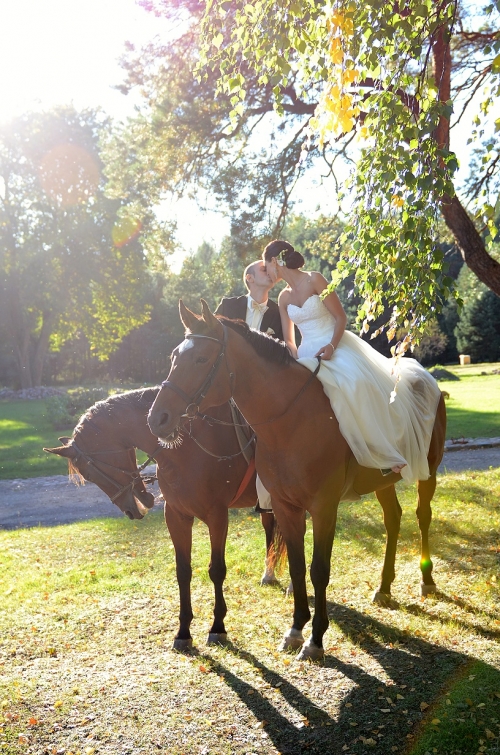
(209, 318)
(188, 318)
(64, 439)
(67, 451)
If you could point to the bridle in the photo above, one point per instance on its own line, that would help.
(193, 402)
(135, 476)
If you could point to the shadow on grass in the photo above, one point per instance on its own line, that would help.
(370, 713)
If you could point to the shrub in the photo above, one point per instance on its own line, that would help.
(66, 410)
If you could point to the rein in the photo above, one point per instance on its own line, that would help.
(135, 476)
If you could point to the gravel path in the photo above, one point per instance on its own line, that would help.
(50, 501)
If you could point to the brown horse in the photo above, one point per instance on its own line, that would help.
(193, 484)
(301, 456)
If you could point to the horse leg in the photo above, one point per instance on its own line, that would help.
(269, 523)
(392, 519)
(292, 523)
(324, 523)
(181, 532)
(426, 489)
(217, 527)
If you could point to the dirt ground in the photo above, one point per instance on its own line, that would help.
(49, 501)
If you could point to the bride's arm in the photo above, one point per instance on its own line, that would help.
(287, 325)
(333, 305)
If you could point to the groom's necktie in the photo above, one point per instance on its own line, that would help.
(258, 311)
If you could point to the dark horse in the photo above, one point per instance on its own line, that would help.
(301, 456)
(193, 484)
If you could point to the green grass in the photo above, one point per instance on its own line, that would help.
(90, 612)
(473, 411)
(25, 428)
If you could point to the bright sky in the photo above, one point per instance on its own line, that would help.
(54, 52)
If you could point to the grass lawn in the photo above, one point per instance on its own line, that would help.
(473, 411)
(90, 611)
(25, 428)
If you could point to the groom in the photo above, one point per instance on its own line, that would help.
(260, 313)
(256, 309)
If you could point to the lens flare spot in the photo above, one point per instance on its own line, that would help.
(124, 230)
(69, 174)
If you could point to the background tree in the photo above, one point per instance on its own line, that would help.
(376, 79)
(71, 259)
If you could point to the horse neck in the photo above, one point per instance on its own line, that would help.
(263, 389)
(128, 426)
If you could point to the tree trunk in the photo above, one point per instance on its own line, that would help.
(19, 334)
(42, 346)
(468, 240)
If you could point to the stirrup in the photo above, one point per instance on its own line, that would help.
(386, 472)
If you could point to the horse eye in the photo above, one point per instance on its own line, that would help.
(201, 360)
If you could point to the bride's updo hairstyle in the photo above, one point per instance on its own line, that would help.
(284, 253)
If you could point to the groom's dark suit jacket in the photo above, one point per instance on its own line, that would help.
(235, 307)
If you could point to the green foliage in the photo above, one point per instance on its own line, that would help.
(64, 411)
(478, 330)
(402, 173)
(478, 327)
(71, 258)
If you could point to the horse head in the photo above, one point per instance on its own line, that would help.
(114, 470)
(199, 376)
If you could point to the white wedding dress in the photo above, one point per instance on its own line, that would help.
(359, 383)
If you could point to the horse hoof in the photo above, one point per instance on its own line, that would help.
(310, 651)
(382, 598)
(293, 640)
(182, 644)
(267, 580)
(217, 638)
(427, 589)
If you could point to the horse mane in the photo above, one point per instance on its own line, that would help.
(114, 403)
(266, 346)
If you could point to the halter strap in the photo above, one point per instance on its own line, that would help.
(193, 402)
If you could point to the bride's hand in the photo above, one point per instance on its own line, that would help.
(326, 352)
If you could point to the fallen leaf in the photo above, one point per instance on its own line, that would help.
(203, 669)
(423, 706)
(33, 721)
(348, 705)
(58, 704)
(389, 700)
(435, 721)
(385, 710)
(471, 677)
(399, 697)
(489, 734)
(22, 739)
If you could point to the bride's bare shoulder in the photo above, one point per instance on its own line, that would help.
(319, 281)
(284, 297)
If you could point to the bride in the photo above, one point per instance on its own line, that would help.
(385, 430)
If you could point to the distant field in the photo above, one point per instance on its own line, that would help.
(473, 410)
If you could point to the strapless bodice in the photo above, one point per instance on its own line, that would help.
(315, 322)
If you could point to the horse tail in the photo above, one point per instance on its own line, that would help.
(277, 553)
